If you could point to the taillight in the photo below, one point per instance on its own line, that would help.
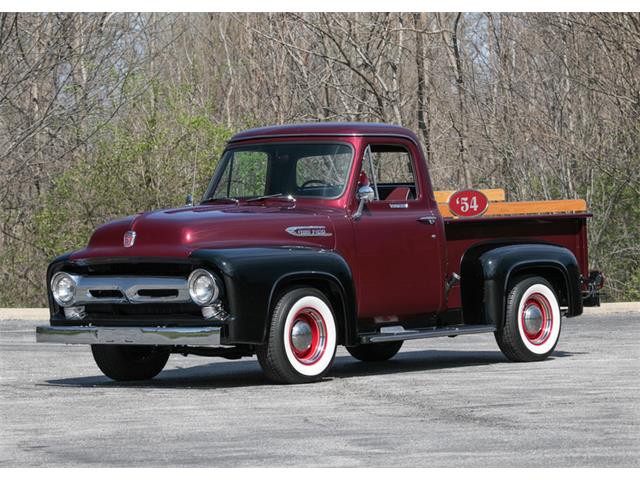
(596, 279)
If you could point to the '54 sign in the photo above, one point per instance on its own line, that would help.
(468, 203)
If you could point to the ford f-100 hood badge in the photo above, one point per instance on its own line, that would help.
(309, 231)
(129, 238)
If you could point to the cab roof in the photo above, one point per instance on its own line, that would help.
(329, 129)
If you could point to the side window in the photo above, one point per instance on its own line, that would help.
(248, 174)
(393, 173)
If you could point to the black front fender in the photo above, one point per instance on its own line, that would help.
(254, 275)
(487, 273)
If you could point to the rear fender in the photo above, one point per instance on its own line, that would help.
(488, 272)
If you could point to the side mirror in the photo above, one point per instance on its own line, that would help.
(189, 200)
(364, 195)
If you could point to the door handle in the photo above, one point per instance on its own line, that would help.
(430, 220)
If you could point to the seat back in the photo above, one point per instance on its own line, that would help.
(399, 193)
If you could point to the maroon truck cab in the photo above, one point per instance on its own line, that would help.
(313, 236)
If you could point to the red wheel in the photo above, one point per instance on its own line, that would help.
(308, 336)
(536, 319)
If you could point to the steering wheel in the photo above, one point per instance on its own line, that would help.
(320, 182)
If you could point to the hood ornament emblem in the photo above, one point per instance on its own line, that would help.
(129, 239)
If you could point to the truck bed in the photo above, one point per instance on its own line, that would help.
(561, 222)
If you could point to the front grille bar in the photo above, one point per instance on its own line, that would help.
(130, 289)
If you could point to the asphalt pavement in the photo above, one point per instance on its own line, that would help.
(440, 402)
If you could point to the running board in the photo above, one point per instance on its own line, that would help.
(395, 334)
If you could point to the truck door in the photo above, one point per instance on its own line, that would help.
(399, 237)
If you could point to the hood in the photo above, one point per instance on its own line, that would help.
(178, 232)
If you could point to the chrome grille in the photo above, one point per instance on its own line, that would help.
(130, 289)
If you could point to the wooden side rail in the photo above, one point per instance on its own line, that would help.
(526, 208)
(493, 195)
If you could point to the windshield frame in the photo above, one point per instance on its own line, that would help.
(224, 160)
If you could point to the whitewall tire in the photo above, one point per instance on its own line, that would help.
(532, 321)
(539, 319)
(302, 339)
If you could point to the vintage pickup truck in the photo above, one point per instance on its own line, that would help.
(318, 235)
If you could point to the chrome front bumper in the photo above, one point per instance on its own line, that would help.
(209, 336)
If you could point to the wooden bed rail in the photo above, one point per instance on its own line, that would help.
(526, 208)
(498, 205)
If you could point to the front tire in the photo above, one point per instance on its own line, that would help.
(128, 363)
(302, 340)
(532, 321)
(375, 352)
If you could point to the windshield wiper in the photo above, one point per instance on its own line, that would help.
(222, 199)
(287, 197)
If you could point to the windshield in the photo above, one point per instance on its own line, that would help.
(300, 169)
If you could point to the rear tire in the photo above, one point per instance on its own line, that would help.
(532, 321)
(375, 352)
(301, 342)
(128, 363)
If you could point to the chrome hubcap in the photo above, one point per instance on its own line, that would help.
(301, 336)
(533, 319)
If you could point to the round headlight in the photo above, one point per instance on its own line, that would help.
(203, 288)
(63, 288)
